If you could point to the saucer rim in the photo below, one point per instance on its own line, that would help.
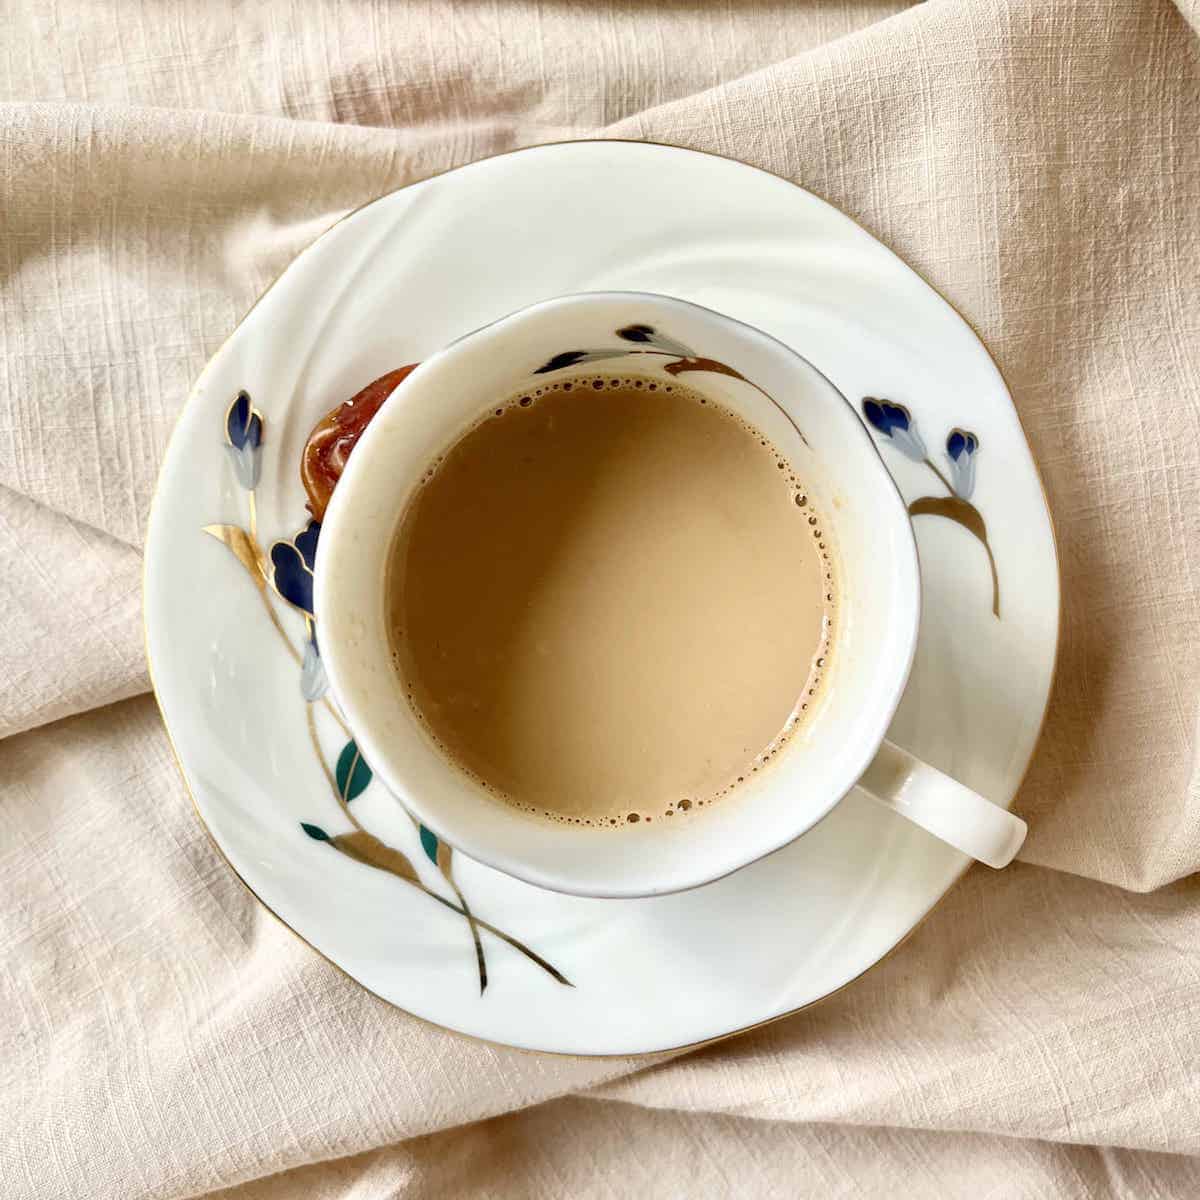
(667, 1051)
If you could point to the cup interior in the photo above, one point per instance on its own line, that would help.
(803, 415)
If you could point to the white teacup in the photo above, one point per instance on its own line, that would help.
(839, 746)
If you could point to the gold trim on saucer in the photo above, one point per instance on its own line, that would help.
(213, 530)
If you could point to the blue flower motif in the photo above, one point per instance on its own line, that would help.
(647, 335)
(641, 335)
(896, 424)
(306, 542)
(961, 448)
(313, 681)
(574, 358)
(637, 333)
(292, 567)
(243, 433)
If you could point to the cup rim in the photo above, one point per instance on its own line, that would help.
(342, 499)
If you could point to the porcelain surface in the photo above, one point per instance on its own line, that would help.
(273, 771)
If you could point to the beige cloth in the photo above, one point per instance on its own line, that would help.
(161, 1035)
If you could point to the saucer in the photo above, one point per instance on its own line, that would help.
(276, 776)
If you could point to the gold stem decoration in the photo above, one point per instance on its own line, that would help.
(961, 512)
(368, 849)
(937, 471)
(360, 844)
(343, 800)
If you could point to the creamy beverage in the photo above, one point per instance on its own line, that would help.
(611, 601)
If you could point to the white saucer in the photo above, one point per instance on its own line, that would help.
(399, 279)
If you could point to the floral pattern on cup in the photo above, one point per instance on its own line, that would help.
(646, 340)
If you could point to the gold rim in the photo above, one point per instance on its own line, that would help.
(670, 1051)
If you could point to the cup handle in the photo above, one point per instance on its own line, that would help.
(943, 807)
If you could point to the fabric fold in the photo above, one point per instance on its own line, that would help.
(164, 1036)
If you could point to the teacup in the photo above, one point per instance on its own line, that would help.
(840, 746)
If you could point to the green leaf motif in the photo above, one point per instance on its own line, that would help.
(429, 844)
(352, 773)
(315, 832)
